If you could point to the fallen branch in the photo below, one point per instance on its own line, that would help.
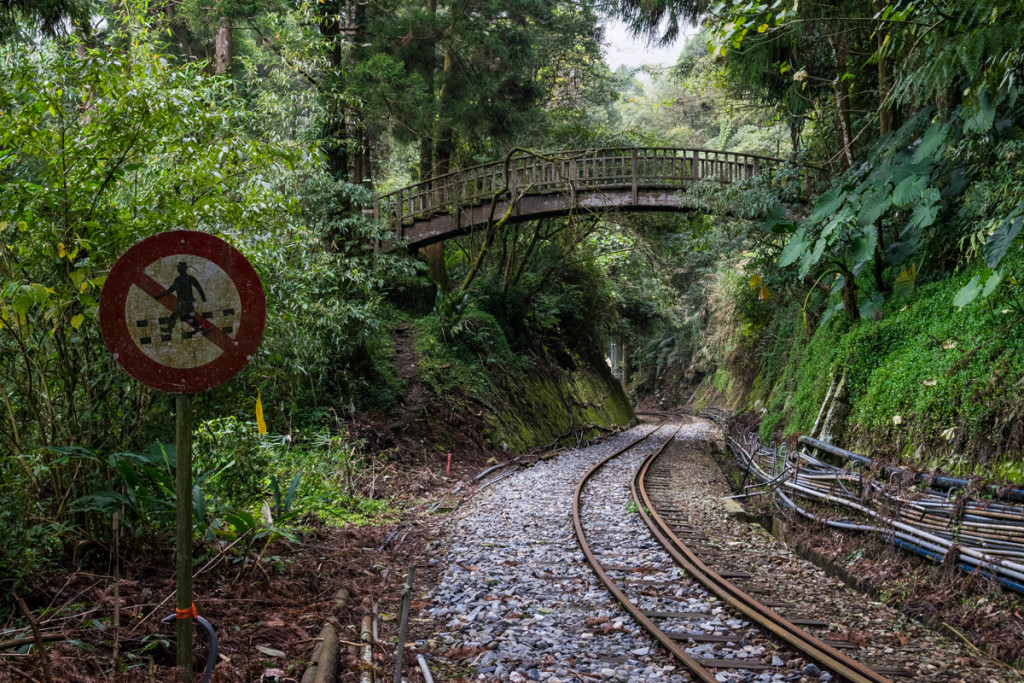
(38, 637)
(574, 430)
(24, 675)
(18, 642)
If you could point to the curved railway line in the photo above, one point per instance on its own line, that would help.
(757, 622)
(654, 551)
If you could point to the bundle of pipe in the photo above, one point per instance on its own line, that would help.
(986, 537)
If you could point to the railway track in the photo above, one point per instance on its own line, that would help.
(718, 631)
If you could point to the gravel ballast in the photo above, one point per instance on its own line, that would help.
(517, 600)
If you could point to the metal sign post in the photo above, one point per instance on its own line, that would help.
(183, 488)
(182, 312)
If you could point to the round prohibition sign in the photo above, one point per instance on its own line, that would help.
(182, 311)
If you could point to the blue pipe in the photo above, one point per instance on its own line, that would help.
(966, 568)
(904, 545)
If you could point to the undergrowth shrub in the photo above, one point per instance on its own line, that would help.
(926, 380)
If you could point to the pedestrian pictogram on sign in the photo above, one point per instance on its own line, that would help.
(182, 311)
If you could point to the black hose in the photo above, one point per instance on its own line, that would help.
(211, 658)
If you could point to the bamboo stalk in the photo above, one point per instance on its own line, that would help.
(18, 642)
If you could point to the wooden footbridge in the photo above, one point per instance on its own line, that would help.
(542, 186)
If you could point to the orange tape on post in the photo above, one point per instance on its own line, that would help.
(190, 613)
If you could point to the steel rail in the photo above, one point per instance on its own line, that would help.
(698, 670)
(816, 650)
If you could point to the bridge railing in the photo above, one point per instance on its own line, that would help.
(633, 168)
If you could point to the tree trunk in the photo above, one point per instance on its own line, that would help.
(886, 114)
(849, 294)
(426, 158)
(624, 364)
(335, 129)
(842, 87)
(444, 140)
(434, 161)
(433, 254)
(358, 170)
(879, 264)
(886, 120)
(796, 127)
(225, 47)
(360, 162)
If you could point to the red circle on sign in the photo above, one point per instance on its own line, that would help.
(130, 271)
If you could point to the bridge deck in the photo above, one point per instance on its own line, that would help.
(538, 186)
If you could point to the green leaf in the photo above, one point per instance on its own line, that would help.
(871, 306)
(828, 203)
(838, 219)
(932, 139)
(811, 258)
(101, 501)
(28, 296)
(271, 652)
(897, 252)
(198, 503)
(128, 475)
(898, 172)
(794, 248)
(905, 281)
(981, 115)
(924, 214)
(830, 312)
(242, 522)
(873, 206)
(277, 495)
(909, 189)
(968, 293)
(998, 243)
(776, 222)
(289, 496)
(992, 282)
(862, 247)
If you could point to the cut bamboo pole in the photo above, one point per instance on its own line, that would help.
(366, 634)
(424, 668)
(403, 627)
(327, 662)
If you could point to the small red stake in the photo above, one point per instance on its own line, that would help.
(448, 470)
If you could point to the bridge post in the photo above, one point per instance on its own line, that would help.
(635, 177)
(398, 212)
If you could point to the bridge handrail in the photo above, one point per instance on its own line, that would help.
(568, 153)
(473, 184)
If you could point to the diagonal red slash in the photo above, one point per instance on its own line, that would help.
(170, 302)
